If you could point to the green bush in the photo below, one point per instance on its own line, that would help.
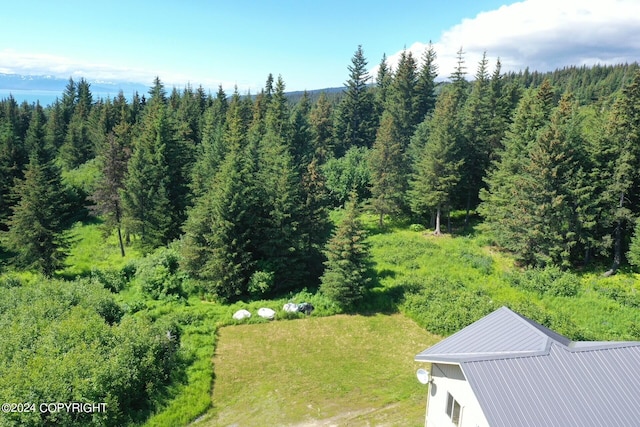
(159, 275)
(444, 307)
(623, 292)
(546, 281)
(114, 280)
(9, 281)
(417, 227)
(260, 283)
(70, 342)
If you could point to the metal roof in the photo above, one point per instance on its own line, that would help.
(524, 374)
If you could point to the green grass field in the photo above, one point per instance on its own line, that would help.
(338, 370)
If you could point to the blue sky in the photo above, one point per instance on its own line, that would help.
(309, 43)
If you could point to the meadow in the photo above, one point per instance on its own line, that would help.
(341, 368)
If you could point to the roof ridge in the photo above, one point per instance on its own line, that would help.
(540, 329)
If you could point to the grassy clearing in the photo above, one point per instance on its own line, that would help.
(347, 370)
(408, 262)
(91, 251)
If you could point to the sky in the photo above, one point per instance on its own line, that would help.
(309, 43)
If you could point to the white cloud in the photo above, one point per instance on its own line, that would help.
(542, 35)
(12, 62)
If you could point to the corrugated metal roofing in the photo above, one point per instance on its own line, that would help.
(524, 374)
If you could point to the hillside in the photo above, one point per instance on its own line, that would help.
(132, 229)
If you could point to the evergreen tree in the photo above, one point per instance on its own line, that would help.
(458, 79)
(476, 131)
(426, 84)
(56, 127)
(277, 114)
(110, 186)
(383, 81)
(301, 142)
(634, 248)
(78, 147)
(402, 100)
(321, 124)
(38, 220)
(69, 100)
(502, 202)
(618, 165)
(13, 156)
(217, 242)
(146, 198)
(356, 120)
(548, 189)
(212, 149)
(34, 140)
(315, 222)
(345, 278)
(281, 242)
(437, 169)
(388, 174)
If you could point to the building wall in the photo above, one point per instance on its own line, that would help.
(450, 379)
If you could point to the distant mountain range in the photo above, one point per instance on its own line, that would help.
(19, 82)
(46, 89)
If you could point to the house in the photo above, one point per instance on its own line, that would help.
(505, 370)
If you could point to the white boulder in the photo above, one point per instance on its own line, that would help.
(290, 307)
(241, 314)
(266, 313)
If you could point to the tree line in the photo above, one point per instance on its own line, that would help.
(244, 183)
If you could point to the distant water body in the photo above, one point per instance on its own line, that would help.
(47, 97)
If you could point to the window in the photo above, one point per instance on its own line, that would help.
(453, 410)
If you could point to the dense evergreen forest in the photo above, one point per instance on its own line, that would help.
(234, 192)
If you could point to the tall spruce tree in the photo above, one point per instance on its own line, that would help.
(426, 85)
(437, 170)
(217, 244)
(345, 277)
(78, 146)
(618, 166)
(476, 131)
(388, 171)
(39, 218)
(548, 189)
(146, 197)
(384, 78)
(321, 130)
(502, 201)
(281, 242)
(356, 122)
(402, 99)
(212, 149)
(109, 188)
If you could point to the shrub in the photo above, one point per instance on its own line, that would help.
(444, 307)
(417, 227)
(10, 281)
(623, 292)
(159, 275)
(134, 306)
(260, 283)
(114, 280)
(546, 281)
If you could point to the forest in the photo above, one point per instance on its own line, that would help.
(231, 198)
